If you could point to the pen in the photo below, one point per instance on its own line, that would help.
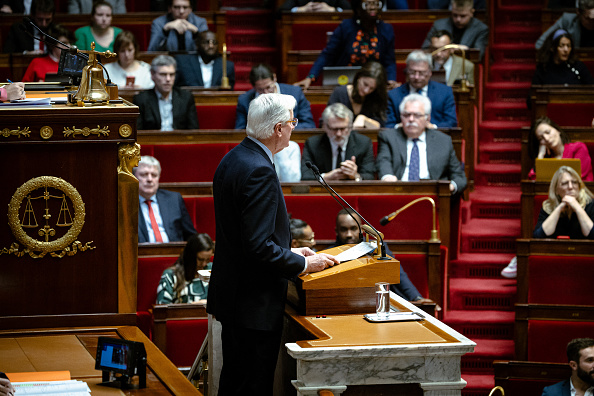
(9, 81)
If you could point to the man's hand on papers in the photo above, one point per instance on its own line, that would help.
(6, 388)
(320, 261)
(304, 251)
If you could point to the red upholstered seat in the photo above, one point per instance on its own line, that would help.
(217, 116)
(538, 200)
(415, 266)
(312, 36)
(560, 280)
(410, 35)
(184, 339)
(150, 270)
(318, 211)
(547, 339)
(316, 111)
(201, 210)
(571, 114)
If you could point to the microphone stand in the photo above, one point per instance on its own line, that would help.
(381, 246)
(434, 233)
(463, 81)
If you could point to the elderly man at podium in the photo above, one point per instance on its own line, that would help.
(253, 245)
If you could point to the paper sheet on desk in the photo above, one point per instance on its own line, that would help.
(44, 102)
(356, 251)
(63, 388)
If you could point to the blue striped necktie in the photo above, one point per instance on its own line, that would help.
(413, 167)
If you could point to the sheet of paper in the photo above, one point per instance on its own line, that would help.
(64, 388)
(356, 251)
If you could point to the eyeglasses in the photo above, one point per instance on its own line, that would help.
(416, 116)
(293, 122)
(311, 240)
(371, 4)
(415, 73)
(208, 42)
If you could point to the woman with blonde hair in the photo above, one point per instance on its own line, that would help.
(569, 210)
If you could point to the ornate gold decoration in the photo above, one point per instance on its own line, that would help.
(56, 248)
(16, 132)
(68, 132)
(46, 132)
(129, 156)
(125, 130)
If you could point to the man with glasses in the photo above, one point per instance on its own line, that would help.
(414, 151)
(340, 153)
(302, 235)
(263, 79)
(418, 71)
(176, 30)
(254, 244)
(206, 68)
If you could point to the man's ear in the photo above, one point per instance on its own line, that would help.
(573, 365)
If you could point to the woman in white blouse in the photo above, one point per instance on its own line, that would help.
(127, 71)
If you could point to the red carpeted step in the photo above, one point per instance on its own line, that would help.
(489, 236)
(479, 265)
(482, 294)
(501, 131)
(495, 202)
(497, 174)
(518, 72)
(506, 91)
(248, 56)
(478, 384)
(518, 34)
(485, 352)
(496, 325)
(514, 53)
(499, 153)
(518, 15)
(250, 37)
(506, 111)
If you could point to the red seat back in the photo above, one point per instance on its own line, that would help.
(216, 116)
(547, 339)
(184, 339)
(571, 275)
(571, 114)
(415, 266)
(201, 210)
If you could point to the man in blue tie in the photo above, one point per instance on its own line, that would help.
(414, 151)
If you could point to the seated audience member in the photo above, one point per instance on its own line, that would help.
(447, 61)
(356, 40)
(415, 151)
(39, 67)
(340, 153)
(127, 71)
(580, 354)
(163, 216)
(20, 36)
(99, 31)
(165, 107)
(301, 234)
(15, 7)
(557, 62)
(465, 29)
(347, 231)
(181, 283)
(206, 68)
(6, 388)
(548, 140)
(287, 163)
(579, 25)
(366, 97)
(263, 79)
(569, 210)
(86, 6)
(315, 6)
(176, 30)
(418, 72)
(12, 91)
(445, 4)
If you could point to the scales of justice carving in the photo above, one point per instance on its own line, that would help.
(58, 237)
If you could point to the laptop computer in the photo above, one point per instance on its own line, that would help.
(545, 168)
(339, 75)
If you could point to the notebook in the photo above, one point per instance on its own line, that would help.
(339, 75)
(545, 168)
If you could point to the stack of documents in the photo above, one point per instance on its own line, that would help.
(63, 388)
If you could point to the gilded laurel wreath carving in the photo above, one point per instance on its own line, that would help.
(43, 196)
(86, 131)
(16, 132)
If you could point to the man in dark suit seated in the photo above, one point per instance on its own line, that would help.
(466, 30)
(418, 70)
(165, 107)
(20, 37)
(176, 30)
(206, 68)
(340, 153)
(253, 243)
(347, 231)
(579, 24)
(415, 151)
(580, 353)
(162, 216)
(263, 79)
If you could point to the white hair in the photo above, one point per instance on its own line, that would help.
(337, 110)
(415, 97)
(147, 160)
(419, 56)
(266, 111)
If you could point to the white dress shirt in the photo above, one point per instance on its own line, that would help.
(206, 69)
(287, 163)
(166, 110)
(573, 392)
(147, 218)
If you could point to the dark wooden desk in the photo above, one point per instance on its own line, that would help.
(60, 349)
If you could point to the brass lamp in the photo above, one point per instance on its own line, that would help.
(463, 81)
(92, 85)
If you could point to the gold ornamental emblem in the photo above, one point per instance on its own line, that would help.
(46, 214)
(46, 132)
(125, 130)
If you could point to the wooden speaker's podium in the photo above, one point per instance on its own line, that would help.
(346, 288)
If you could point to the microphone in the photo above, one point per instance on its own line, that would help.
(434, 234)
(336, 197)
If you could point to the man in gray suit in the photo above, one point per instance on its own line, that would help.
(580, 25)
(413, 151)
(465, 29)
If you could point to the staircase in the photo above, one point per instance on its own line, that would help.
(481, 302)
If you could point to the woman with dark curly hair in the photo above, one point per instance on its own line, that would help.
(180, 282)
(557, 63)
(366, 97)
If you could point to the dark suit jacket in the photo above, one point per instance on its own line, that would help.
(443, 105)
(289, 4)
(253, 242)
(476, 34)
(302, 110)
(190, 74)
(184, 110)
(176, 220)
(318, 151)
(441, 157)
(18, 41)
(559, 389)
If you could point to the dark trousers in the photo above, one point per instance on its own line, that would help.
(249, 361)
